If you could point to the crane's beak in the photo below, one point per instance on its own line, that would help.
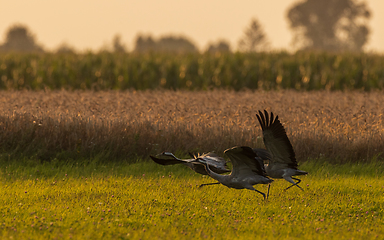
(163, 153)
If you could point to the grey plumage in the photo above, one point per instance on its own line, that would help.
(247, 170)
(216, 163)
(262, 153)
(282, 163)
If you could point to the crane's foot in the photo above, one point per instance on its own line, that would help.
(298, 181)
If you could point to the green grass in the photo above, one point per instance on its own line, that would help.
(148, 201)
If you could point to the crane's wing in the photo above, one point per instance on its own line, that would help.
(215, 162)
(262, 153)
(209, 156)
(276, 140)
(245, 161)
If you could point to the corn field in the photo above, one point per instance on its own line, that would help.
(236, 71)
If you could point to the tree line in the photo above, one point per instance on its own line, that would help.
(326, 25)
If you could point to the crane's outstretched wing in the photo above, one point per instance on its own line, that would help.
(245, 161)
(262, 153)
(276, 140)
(215, 162)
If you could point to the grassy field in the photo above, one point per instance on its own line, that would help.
(144, 200)
(74, 164)
(123, 125)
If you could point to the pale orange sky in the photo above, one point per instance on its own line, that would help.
(90, 24)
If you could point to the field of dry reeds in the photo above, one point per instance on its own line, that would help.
(127, 125)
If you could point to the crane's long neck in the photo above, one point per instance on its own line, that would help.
(216, 176)
(173, 156)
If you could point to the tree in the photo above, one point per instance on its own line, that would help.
(65, 48)
(175, 44)
(164, 44)
(254, 39)
(144, 44)
(330, 25)
(221, 46)
(18, 38)
(117, 45)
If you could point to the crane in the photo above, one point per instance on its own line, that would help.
(282, 163)
(247, 170)
(218, 164)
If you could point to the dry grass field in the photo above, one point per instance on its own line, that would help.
(124, 125)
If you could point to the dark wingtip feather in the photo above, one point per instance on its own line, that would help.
(271, 120)
(261, 119)
(266, 117)
(258, 118)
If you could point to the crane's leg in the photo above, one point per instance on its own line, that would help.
(260, 193)
(208, 184)
(269, 186)
(293, 183)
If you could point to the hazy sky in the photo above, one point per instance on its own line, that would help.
(90, 24)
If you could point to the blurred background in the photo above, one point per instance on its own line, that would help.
(195, 47)
(173, 25)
